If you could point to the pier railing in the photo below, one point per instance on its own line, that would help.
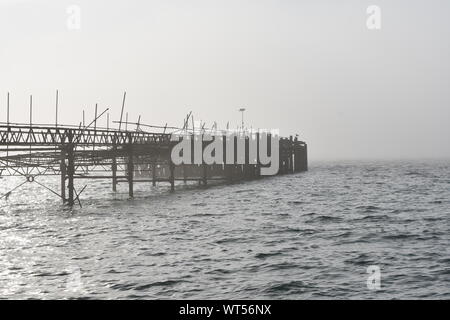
(57, 136)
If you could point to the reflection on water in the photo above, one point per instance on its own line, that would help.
(309, 235)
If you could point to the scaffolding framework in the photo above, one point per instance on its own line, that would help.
(119, 155)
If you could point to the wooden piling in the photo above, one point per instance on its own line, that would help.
(130, 167)
(172, 175)
(63, 175)
(185, 174)
(114, 174)
(205, 174)
(70, 168)
(305, 158)
(154, 173)
(204, 165)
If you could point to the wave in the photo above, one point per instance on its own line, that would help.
(291, 287)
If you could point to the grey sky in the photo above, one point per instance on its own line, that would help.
(308, 67)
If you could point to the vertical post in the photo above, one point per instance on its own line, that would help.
(295, 169)
(154, 172)
(184, 173)
(224, 147)
(227, 167)
(31, 122)
(291, 154)
(114, 169)
(138, 123)
(7, 122)
(183, 166)
(31, 110)
(295, 154)
(84, 126)
(70, 168)
(305, 161)
(130, 166)
(172, 175)
(258, 163)
(171, 168)
(205, 174)
(63, 175)
(95, 127)
(204, 165)
(235, 165)
(7, 109)
(246, 165)
(121, 112)
(95, 117)
(56, 115)
(114, 174)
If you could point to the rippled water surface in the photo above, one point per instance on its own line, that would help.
(308, 235)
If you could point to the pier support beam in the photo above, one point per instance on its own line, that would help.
(172, 175)
(205, 174)
(154, 173)
(130, 167)
(63, 175)
(291, 155)
(70, 168)
(114, 174)
(246, 166)
(303, 158)
(258, 164)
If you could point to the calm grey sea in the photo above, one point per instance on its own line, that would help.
(308, 235)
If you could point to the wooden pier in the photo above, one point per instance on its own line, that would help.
(121, 156)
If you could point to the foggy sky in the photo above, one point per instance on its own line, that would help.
(308, 67)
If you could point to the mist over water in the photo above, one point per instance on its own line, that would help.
(307, 235)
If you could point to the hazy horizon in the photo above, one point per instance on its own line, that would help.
(311, 68)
